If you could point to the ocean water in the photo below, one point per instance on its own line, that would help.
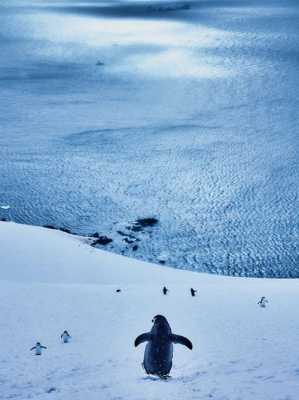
(183, 111)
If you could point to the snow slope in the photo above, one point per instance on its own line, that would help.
(51, 281)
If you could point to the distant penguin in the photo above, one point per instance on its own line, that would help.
(65, 337)
(165, 290)
(38, 348)
(159, 348)
(263, 301)
(193, 291)
(118, 290)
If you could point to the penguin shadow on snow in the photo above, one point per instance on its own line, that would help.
(152, 378)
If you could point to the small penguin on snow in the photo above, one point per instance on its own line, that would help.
(165, 290)
(263, 301)
(193, 291)
(65, 336)
(159, 348)
(38, 348)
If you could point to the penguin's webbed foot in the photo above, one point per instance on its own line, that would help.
(164, 377)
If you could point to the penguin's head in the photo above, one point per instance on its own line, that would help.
(38, 343)
(159, 319)
(161, 325)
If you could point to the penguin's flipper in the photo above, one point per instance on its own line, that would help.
(144, 337)
(181, 340)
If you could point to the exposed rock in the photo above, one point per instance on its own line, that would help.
(49, 227)
(127, 234)
(66, 230)
(129, 241)
(135, 228)
(145, 222)
(163, 257)
(95, 235)
(142, 223)
(102, 240)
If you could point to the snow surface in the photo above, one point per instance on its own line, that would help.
(51, 281)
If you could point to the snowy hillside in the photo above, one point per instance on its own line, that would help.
(51, 281)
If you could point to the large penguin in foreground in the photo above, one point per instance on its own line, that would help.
(159, 348)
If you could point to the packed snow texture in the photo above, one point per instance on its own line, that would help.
(51, 281)
(186, 111)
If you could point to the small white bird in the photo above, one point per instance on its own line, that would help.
(38, 348)
(5, 207)
(65, 337)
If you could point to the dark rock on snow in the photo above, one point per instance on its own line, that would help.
(66, 230)
(102, 240)
(142, 223)
(95, 235)
(145, 222)
(127, 234)
(135, 228)
(49, 227)
(129, 241)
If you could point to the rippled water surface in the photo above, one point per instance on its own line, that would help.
(111, 111)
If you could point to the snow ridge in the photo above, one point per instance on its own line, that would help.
(51, 281)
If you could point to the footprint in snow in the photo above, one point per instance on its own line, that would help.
(192, 377)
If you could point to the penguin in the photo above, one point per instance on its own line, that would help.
(263, 301)
(193, 291)
(38, 348)
(159, 348)
(118, 290)
(65, 337)
(164, 290)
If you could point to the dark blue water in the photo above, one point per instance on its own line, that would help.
(191, 117)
